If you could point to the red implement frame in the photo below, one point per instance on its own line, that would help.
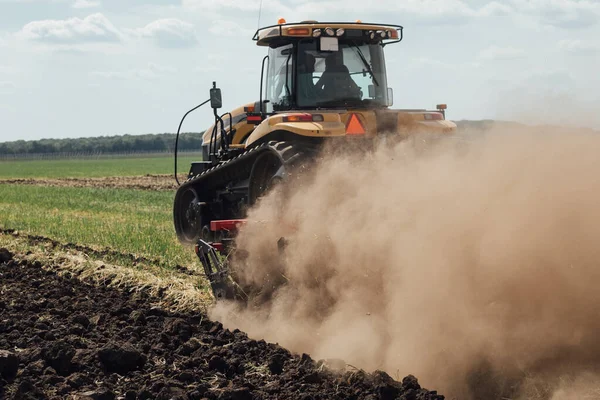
(226, 224)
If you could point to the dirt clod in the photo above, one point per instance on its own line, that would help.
(121, 359)
(58, 356)
(276, 364)
(9, 364)
(5, 255)
(101, 394)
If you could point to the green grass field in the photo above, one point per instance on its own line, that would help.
(96, 167)
(131, 221)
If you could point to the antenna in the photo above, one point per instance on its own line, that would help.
(259, 10)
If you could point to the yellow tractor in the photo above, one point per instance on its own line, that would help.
(320, 82)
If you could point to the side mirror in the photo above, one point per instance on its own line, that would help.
(267, 107)
(215, 97)
(372, 91)
(390, 97)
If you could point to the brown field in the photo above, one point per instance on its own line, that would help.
(65, 335)
(144, 182)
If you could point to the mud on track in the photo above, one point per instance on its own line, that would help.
(61, 338)
(144, 182)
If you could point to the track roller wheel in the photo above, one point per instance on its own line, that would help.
(187, 215)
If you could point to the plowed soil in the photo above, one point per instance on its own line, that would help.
(145, 182)
(61, 338)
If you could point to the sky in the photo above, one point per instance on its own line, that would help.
(82, 68)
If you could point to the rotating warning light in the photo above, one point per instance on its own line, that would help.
(281, 21)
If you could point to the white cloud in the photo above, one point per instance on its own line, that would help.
(169, 33)
(33, 1)
(493, 53)
(579, 46)
(86, 4)
(229, 28)
(151, 72)
(242, 5)
(7, 108)
(6, 39)
(557, 13)
(7, 69)
(93, 28)
(7, 87)
(439, 11)
(561, 13)
(424, 62)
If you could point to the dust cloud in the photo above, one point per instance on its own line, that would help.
(470, 261)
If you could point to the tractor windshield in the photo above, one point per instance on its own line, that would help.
(354, 75)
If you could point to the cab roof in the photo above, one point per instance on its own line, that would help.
(283, 32)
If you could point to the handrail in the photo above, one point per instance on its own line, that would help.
(177, 137)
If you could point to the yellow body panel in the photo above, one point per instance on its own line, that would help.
(333, 125)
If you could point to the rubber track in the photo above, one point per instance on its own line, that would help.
(240, 166)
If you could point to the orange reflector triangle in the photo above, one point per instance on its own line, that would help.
(354, 126)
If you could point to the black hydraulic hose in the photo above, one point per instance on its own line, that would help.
(214, 136)
(230, 126)
(219, 120)
(177, 137)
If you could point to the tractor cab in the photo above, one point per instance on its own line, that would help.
(319, 80)
(312, 65)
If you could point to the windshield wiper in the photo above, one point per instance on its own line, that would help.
(366, 63)
(287, 63)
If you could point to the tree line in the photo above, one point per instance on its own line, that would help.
(159, 142)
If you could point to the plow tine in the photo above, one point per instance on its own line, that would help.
(217, 272)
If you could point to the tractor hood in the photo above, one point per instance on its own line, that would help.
(347, 122)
